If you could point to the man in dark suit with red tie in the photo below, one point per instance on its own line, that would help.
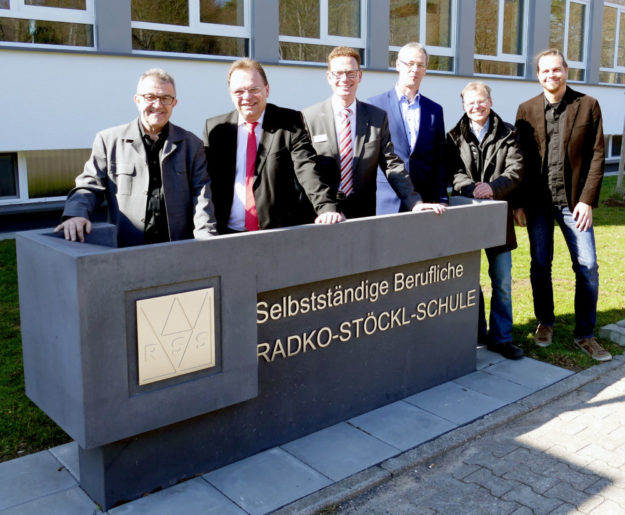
(260, 158)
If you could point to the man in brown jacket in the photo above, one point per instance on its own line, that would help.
(561, 137)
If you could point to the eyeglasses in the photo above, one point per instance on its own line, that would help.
(476, 103)
(349, 74)
(419, 66)
(165, 100)
(241, 92)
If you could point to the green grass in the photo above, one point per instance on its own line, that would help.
(24, 428)
(609, 225)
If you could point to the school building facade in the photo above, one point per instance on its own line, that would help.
(70, 67)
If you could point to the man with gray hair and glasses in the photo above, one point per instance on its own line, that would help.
(417, 131)
(151, 172)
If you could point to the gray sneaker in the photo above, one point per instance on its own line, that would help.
(591, 347)
(543, 336)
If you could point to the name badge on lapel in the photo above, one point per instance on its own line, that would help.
(320, 138)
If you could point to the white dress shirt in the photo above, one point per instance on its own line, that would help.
(337, 107)
(236, 221)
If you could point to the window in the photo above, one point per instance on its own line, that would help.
(205, 27)
(614, 149)
(435, 30)
(51, 173)
(8, 175)
(63, 23)
(39, 174)
(309, 29)
(500, 46)
(612, 68)
(569, 22)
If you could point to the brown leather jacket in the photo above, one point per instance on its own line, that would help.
(582, 145)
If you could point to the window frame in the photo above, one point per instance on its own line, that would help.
(326, 39)
(200, 28)
(501, 56)
(19, 10)
(577, 65)
(611, 155)
(434, 50)
(23, 196)
(620, 11)
(7, 199)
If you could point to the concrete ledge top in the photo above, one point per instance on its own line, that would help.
(295, 255)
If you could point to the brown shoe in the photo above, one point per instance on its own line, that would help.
(543, 336)
(591, 347)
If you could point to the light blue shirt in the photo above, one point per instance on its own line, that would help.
(411, 116)
(479, 132)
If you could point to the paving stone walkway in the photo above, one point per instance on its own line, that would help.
(567, 456)
(511, 437)
(309, 473)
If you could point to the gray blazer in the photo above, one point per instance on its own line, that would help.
(118, 171)
(372, 148)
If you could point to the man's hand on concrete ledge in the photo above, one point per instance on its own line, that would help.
(424, 206)
(483, 190)
(330, 217)
(75, 228)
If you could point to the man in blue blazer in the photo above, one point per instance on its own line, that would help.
(417, 131)
(352, 141)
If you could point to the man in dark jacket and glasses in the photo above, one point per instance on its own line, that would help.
(485, 162)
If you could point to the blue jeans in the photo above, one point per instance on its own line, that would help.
(500, 321)
(540, 224)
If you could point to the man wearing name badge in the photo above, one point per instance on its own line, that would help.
(561, 136)
(260, 158)
(417, 130)
(485, 162)
(352, 139)
(151, 172)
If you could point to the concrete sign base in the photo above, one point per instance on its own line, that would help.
(166, 361)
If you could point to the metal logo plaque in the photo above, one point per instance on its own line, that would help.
(175, 334)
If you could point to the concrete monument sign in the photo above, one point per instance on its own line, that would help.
(210, 351)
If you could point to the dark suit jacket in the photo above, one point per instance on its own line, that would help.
(372, 148)
(426, 162)
(285, 164)
(582, 147)
(118, 171)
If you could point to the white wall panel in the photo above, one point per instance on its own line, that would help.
(60, 100)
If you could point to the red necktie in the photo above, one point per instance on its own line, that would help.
(251, 215)
(346, 152)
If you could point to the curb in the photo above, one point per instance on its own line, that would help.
(614, 332)
(364, 480)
